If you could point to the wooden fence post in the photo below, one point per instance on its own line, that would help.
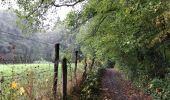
(64, 68)
(85, 69)
(75, 74)
(56, 63)
(85, 66)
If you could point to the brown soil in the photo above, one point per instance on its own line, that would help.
(115, 87)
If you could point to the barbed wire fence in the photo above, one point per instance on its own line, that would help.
(21, 76)
(24, 77)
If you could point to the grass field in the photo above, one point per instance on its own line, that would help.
(10, 69)
(29, 81)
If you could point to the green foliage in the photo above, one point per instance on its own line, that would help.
(134, 33)
(30, 14)
(71, 18)
(160, 89)
(90, 88)
(124, 31)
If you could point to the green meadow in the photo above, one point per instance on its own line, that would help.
(35, 80)
(9, 70)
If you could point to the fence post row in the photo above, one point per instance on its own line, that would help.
(56, 63)
(64, 68)
(76, 57)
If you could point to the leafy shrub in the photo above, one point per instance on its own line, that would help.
(159, 88)
(90, 88)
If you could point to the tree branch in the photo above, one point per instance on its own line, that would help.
(67, 5)
(53, 4)
(34, 10)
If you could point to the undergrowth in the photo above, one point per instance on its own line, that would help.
(89, 90)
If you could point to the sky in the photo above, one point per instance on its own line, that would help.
(60, 12)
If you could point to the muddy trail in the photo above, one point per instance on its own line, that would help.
(115, 87)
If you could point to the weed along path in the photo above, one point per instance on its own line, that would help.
(115, 87)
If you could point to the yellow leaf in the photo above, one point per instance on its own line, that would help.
(13, 84)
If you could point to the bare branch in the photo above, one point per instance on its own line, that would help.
(53, 4)
(32, 12)
(67, 5)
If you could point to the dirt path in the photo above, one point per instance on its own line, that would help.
(114, 87)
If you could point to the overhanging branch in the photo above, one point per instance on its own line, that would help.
(53, 4)
(67, 5)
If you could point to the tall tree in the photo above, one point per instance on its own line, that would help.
(32, 13)
(131, 32)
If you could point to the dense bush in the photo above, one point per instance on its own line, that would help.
(159, 89)
(90, 88)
